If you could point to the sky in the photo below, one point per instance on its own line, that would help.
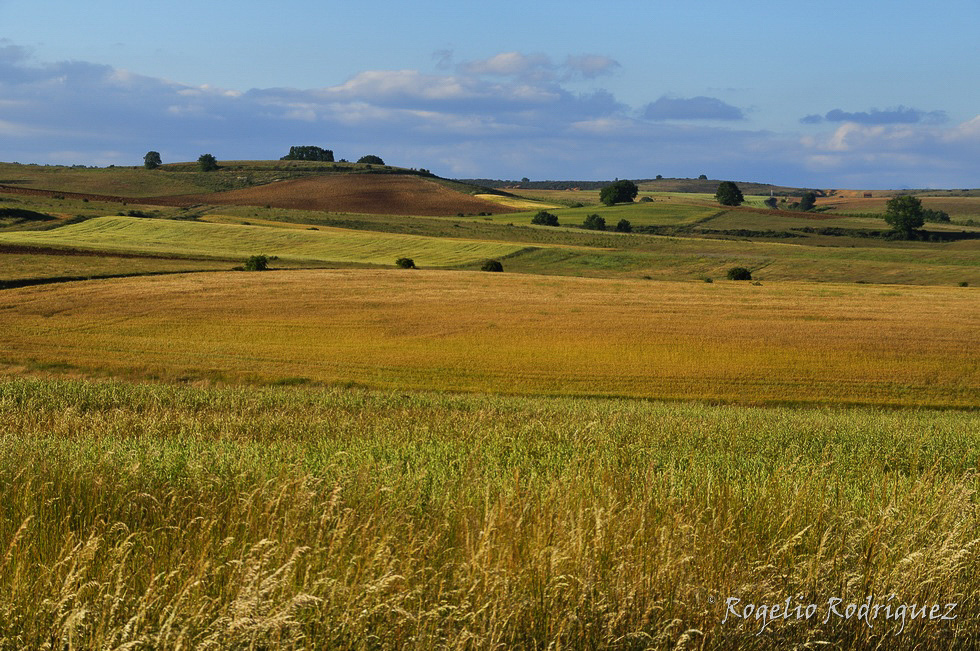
(870, 94)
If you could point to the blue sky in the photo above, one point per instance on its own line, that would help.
(857, 94)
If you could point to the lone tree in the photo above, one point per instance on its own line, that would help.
(405, 263)
(728, 194)
(371, 160)
(207, 162)
(594, 223)
(619, 192)
(545, 218)
(309, 152)
(152, 160)
(904, 214)
(624, 226)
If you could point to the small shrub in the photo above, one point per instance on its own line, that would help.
(964, 284)
(492, 265)
(257, 263)
(624, 226)
(708, 280)
(739, 273)
(405, 263)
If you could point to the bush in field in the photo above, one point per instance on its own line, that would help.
(492, 265)
(152, 160)
(405, 263)
(931, 215)
(772, 202)
(808, 201)
(624, 226)
(371, 160)
(207, 162)
(728, 194)
(545, 218)
(619, 192)
(594, 223)
(739, 273)
(257, 263)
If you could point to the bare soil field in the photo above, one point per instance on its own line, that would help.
(387, 194)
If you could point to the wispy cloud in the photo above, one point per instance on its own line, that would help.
(898, 115)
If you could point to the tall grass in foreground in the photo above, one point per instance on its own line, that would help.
(147, 516)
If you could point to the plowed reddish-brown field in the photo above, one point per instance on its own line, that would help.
(389, 194)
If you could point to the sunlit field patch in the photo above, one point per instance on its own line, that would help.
(470, 331)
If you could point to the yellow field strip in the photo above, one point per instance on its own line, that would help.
(782, 342)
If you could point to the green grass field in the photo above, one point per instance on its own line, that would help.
(172, 517)
(239, 241)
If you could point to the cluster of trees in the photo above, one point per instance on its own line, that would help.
(596, 222)
(208, 163)
(309, 152)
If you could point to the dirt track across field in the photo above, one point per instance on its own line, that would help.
(388, 194)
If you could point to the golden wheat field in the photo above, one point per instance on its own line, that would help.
(471, 331)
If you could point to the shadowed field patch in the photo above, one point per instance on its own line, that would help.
(390, 194)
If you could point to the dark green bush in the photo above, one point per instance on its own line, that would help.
(405, 263)
(739, 273)
(624, 226)
(594, 223)
(257, 263)
(545, 218)
(492, 265)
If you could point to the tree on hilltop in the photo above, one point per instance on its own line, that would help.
(207, 162)
(728, 194)
(371, 160)
(152, 160)
(618, 192)
(309, 152)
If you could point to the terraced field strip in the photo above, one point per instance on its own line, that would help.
(782, 342)
(519, 204)
(238, 241)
